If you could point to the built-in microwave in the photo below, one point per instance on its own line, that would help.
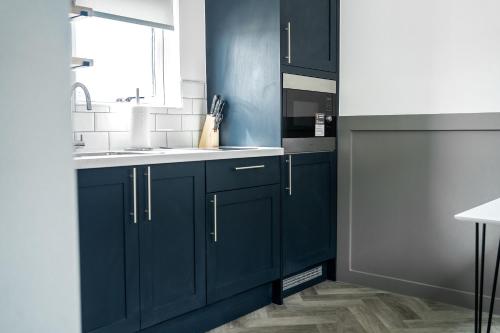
(309, 114)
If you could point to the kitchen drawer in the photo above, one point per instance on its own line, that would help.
(224, 175)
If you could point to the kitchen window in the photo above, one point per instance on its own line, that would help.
(128, 56)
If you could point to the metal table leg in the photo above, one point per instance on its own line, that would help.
(481, 281)
(494, 291)
(476, 290)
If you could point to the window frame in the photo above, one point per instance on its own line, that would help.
(158, 64)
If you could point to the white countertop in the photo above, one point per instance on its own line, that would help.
(162, 156)
(486, 213)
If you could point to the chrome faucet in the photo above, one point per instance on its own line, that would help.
(80, 143)
(88, 100)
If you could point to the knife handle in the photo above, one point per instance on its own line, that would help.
(214, 104)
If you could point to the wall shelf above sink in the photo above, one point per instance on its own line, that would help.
(80, 12)
(81, 62)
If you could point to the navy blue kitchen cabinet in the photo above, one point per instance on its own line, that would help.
(172, 241)
(243, 245)
(225, 175)
(158, 252)
(309, 34)
(250, 46)
(109, 251)
(142, 259)
(308, 211)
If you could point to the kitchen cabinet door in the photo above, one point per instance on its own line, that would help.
(243, 249)
(309, 34)
(109, 251)
(309, 209)
(172, 241)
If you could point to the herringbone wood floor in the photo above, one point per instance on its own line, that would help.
(343, 308)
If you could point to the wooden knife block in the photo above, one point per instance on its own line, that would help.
(209, 138)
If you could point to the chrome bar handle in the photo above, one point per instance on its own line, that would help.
(289, 188)
(148, 210)
(289, 30)
(214, 233)
(134, 195)
(249, 167)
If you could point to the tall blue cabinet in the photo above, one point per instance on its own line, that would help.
(250, 44)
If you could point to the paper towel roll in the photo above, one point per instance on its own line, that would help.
(140, 137)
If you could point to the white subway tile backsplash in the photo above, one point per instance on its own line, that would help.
(166, 122)
(157, 109)
(107, 126)
(119, 140)
(187, 107)
(193, 89)
(199, 106)
(94, 141)
(83, 121)
(112, 122)
(192, 123)
(158, 139)
(180, 139)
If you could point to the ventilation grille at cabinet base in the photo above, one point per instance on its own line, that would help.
(303, 277)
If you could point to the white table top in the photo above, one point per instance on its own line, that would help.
(486, 213)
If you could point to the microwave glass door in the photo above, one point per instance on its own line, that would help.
(301, 110)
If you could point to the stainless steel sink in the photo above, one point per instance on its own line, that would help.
(224, 149)
(108, 153)
(237, 148)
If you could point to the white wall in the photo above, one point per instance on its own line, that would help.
(192, 37)
(39, 276)
(427, 56)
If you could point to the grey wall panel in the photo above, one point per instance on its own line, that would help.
(401, 180)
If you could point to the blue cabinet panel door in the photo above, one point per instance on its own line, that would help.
(311, 40)
(109, 251)
(309, 211)
(243, 249)
(173, 241)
